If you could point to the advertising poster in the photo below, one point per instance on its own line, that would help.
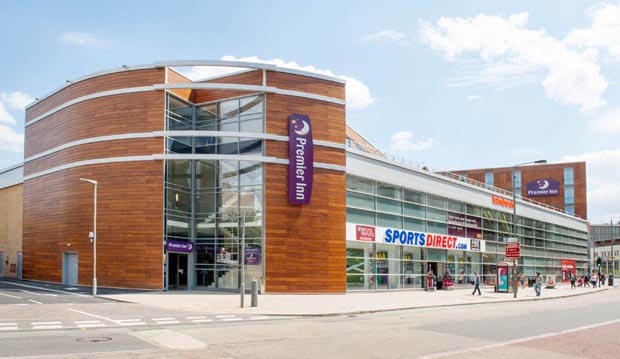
(502, 279)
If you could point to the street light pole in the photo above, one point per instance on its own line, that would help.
(515, 285)
(94, 234)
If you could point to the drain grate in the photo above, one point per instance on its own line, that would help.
(93, 339)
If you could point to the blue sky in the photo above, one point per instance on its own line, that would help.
(444, 84)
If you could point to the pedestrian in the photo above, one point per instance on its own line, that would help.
(593, 279)
(573, 279)
(603, 277)
(476, 284)
(586, 280)
(600, 280)
(538, 284)
(522, 279)
(430, 280)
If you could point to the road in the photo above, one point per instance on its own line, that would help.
(574, 327)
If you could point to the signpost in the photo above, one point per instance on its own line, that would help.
(513, 250)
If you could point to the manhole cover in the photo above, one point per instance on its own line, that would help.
(93, 339)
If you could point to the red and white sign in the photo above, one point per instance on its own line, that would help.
(364, 233)
(513, 250)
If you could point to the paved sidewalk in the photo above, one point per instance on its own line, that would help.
(337, 304)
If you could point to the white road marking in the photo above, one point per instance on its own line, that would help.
(231, 319)
(42, 288)
(34, 301)
(224, 316)
(169, 322)
(199, 317)
(94, 316)
(91, 325)
(128, 320)
(86, 321)
(11, 324)
(131, 323)
(20, 304)
(7, 328)
(29, 292)
(259, 318)
(11, 296)
(160, 319)
(47, 327)
(458, 352)
(45, 323)
(202, 320)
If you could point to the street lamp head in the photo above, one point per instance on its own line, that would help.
(89, 180)
(541, 161)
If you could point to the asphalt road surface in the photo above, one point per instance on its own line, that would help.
(576, 327)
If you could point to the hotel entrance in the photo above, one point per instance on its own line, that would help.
(177, 264)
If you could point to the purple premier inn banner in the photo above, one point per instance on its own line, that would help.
(301, 159)
(173, 245)
(545, 187)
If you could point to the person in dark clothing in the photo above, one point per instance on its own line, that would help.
(476, 284)
(573, 279)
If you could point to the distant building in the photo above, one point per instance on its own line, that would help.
(559, 185)
(601, 238)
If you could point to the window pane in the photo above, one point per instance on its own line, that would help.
(360, 184)
(360, 200)
(388, 220)
(386, 205)
(360, 216)
(387, 190)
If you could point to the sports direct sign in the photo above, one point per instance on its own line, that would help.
(300, 158)
(405, 237)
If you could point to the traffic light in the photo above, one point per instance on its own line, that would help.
(598, 262)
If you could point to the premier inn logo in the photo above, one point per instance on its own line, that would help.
(301, 159)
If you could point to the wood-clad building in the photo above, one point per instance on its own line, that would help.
(154, 141)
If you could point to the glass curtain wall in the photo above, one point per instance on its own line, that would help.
(213, 203)
(382, 266)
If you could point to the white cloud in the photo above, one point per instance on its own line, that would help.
(5, 116)
(508, 50)
(608, 122)
(12, 101)
(603, 176)
(388, 36)
(604, 32)
(10, 140)
(16, 100)
(358, 94)
(473, 98)
(82, 39)
(403, 142)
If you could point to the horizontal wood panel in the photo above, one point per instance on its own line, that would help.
(327, 118)
(111, 115)
(58, 211)
(124, 79)
(117, 148)
(307, 84)
(305, 249)
(176, 78)
(247, 78)
(329, 155)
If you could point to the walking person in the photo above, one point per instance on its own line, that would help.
(538, 284)
(522, 279)
(476, 284)
(573, 279)
(593, 279)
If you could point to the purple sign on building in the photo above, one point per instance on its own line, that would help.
(173, 245)
(301, 159)
(545, 187)
(252, 256)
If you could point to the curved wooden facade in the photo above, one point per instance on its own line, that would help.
(111, 128)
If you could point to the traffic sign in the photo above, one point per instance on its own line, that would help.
(513, 250)
(510, 239)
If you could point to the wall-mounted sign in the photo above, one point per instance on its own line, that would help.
(545, 187)
(301, 159)
(173, 245)
(365, 233)
(502, 202)
(252, 256)
(513, 250)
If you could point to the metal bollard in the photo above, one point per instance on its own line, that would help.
(242, 292)
(254, 293)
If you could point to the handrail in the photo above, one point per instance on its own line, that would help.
(461, 178)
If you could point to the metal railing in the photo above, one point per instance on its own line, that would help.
(390, 158)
